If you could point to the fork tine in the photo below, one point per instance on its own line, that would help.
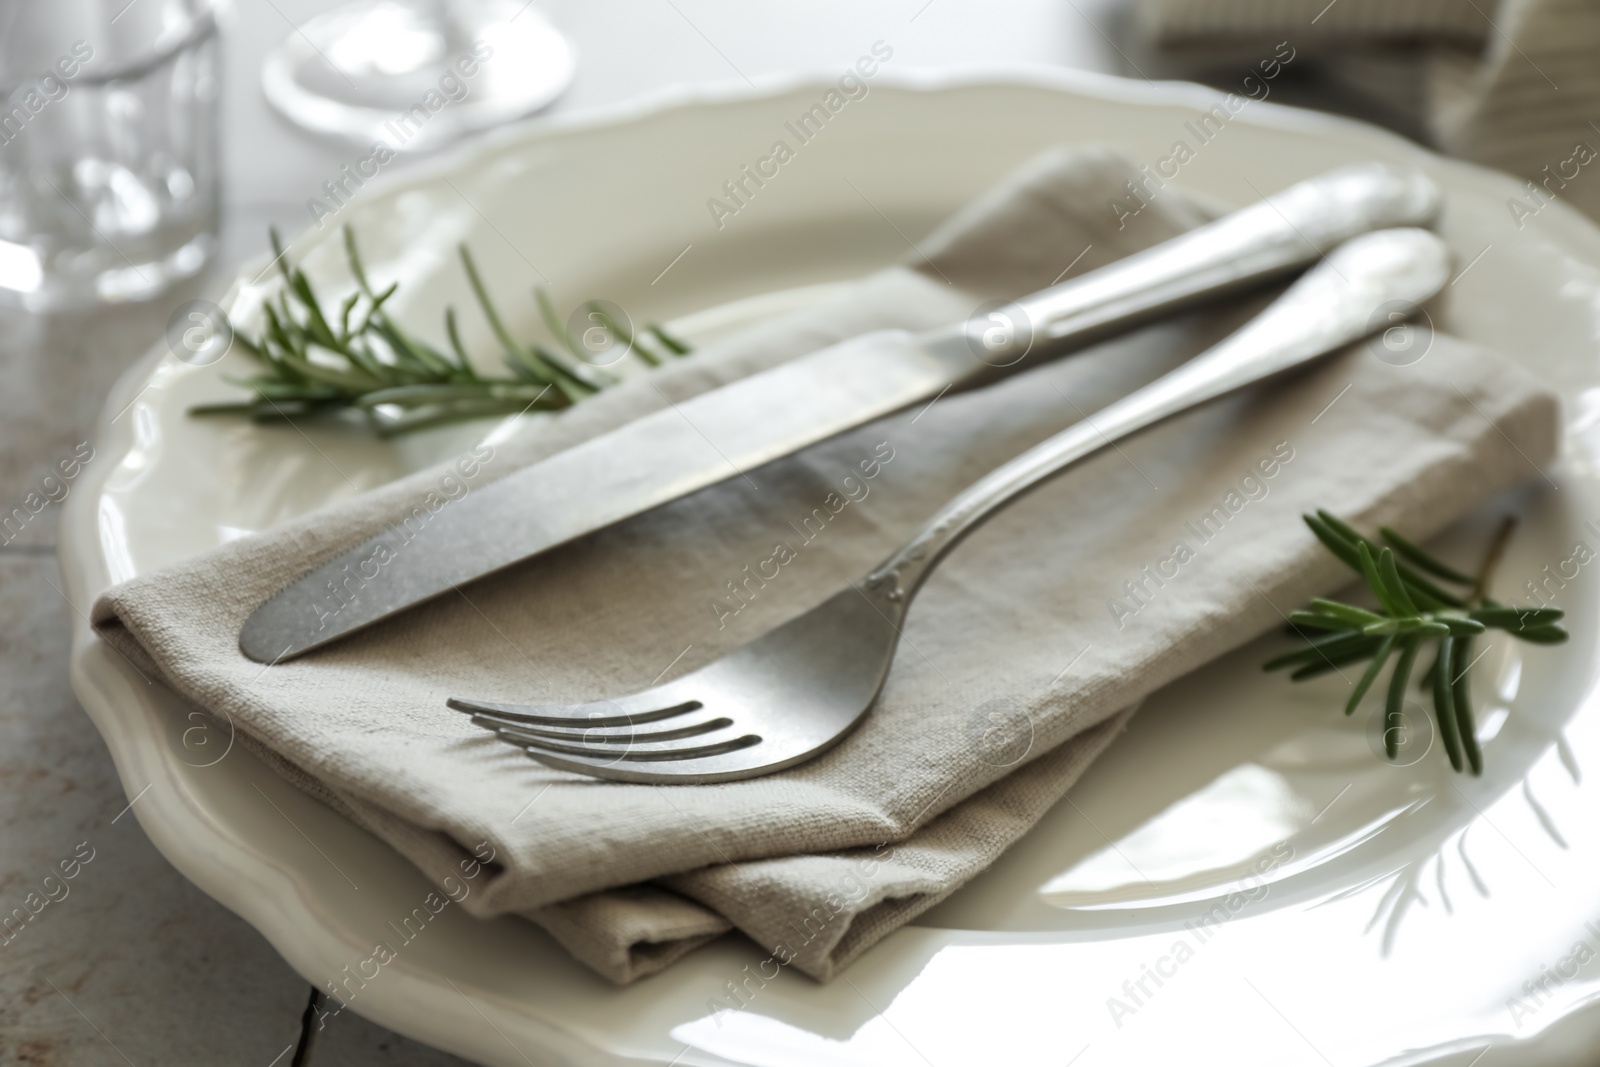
(514, 731)
(599, 713)
(637, 773)
(646, 753)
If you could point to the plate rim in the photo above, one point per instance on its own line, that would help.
(200, 845)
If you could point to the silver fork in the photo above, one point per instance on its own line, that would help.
(794, 692)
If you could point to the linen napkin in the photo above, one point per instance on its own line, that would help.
(1021, 657)
(1512, 84)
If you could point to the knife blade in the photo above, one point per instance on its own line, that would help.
(724, 432)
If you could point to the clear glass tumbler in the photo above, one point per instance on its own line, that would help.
(108, 148)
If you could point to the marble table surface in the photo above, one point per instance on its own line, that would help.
(136, 966)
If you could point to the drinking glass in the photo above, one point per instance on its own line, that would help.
(108, 148)
(417, 74)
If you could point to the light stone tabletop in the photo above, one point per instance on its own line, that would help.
(135, 966)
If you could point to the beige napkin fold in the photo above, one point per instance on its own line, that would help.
(1512, 84)
(1020, 657)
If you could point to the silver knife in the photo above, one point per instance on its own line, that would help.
(724, 432)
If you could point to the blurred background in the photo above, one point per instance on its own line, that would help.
(147, 145)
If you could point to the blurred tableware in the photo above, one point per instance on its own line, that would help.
(417, 74)
(108, 149)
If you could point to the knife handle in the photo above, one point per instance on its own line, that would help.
(1347, 297)
(1285, 231)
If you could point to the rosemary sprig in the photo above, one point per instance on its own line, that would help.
(362, 360)
(1414, 612)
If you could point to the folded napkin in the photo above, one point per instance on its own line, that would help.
(1021, 657)
(1512, 84)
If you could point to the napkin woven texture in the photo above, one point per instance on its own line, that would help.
(1022, 655)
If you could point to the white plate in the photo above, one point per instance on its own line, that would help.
(1402, 908)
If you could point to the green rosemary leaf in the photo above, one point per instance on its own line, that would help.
(528, 371)
(516, 354)
(1543, 635)
(673, 345)
(408, 351)
(1331, 647)
(1426, 594)
(264, 409)
(1349, 612)
(1316, 620)
(345, 309)
(352, 381)
(1343, 529)
(278, 254)
(1328, 664)
(645, 355)
(278, 389)
(276, 334)
(1422, 559)
(1516, 619)
(408, 395)
(404, 347)
(357, 268)
(1444, 705)
(456, 346)
(1333, 542)
(1369, 571)
(374, 310)
(1379, 658)
(252, 348)
(317, 327)
(1332, 659)
(574, 386)
(577, 368)
(381, 299)
(552, 321)
(1416, 625)
(634, 343)
(1426, 681)
(1394, 708)
(296, 342)
(1461, 700)
(618, 330)
(370, 365)
(1389, 573)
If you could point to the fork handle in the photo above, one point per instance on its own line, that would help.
(1369, 282)
(1278, 234)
